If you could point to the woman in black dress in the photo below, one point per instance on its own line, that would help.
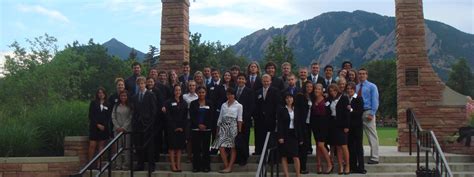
(176, 113)
(99, 118)
(356, 148)
(339, 126)
(202, 113)
(303, 102)
(289, 135)
(319, 123)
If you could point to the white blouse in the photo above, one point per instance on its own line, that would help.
(292, 118)
(234, 110)
(333, 106)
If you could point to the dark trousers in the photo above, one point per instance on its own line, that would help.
(145, 151)
(303, 155)
(160, 139)
(201, 157)
(259, 133)
(307, 138)
(356, 148)
(242, 145)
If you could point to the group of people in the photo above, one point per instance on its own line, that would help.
(203, 114)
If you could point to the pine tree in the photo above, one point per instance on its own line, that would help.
(461, 78)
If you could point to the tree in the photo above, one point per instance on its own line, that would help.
(151, 58)
(383, 74)
(461, 78)
(41, 51)
(279, 52)
(132, 56)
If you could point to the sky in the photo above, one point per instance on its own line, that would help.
(137, 22)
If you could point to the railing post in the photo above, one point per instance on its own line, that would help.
(409, 120)
(109, 168)
(132, 147)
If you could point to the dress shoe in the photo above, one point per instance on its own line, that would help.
(243, 163)
(255, 153)
(372, 162)
(304, 172)
(195, 170)
(206, 170)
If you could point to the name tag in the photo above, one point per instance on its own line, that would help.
(327, 103)
(174, 104)
(310, 103)
(260, 96)
(116, 100)
(204, 107)
(212, 88)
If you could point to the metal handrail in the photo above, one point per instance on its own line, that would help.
(426, 141)
(268, 155)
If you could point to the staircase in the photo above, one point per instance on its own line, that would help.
(392, 164)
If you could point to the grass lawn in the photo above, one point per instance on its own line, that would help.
(387, 136)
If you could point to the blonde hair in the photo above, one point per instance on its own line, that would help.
(119, 79)
(141, 79)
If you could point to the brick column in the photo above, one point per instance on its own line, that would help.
(174, 45)
(436, 106)
(77, 146)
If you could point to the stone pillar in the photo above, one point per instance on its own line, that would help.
(77, 146)
(436, 106)
(174, 45)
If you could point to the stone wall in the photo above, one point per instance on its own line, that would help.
(436, 106)
(77, 146)
(38, 166)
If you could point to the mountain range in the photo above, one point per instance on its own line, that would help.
(359, 37)
(119, 49)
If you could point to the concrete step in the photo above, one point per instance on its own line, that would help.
(402, 158)
(242, 174)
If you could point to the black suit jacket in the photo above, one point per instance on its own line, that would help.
(277, 83)
(326, 86)
(357, 105)
(342, 113)
(144, 112)
(131, 85)
(284, 124)
(164, 90)
(216, 94)
(248, 102)
(176, 113)
(256, 86)
(301, 111)
(182, 80)
(194, 113)
(267, 108)
(319, 79)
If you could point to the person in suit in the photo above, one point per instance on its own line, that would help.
(216, 93)
(163, 77)
(314, 76)
(253, 76)
(207, 75)
(189, 97)
(292, 88)
(285, 72)
(303, 102)
(244, 96)
(339, 126)
(186, 76)
(144, 117)
(268, 103)
(122, 122)
(270, 69)
(229, 125)
(328, 80)
(303, 77)
(130, 84)
(176, 115)
(289, 134)
(370, 94)
(202, 114)
(160, 120)
(99, 118)
(319, 122)
(162, 88)
(356, 148)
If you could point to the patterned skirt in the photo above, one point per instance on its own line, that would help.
(227, 133)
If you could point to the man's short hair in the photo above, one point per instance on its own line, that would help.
(314, 63)
(364, 69)
(235, 67)
(140, 79)
(186, 63)
(162, 72)
(214, 69)
(328, 66)
(270, 64)
(285, 64)
(242, 75)
(267, 75)
(135, 64)
(346, 62)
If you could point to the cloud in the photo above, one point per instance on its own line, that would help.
(2, 60)
(147, 7)
(53, 14)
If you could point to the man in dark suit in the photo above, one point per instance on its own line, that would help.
(186, 76)
(270, 69)
(314, 76)
(268, 103)
(328, 80)
(303, 77)
(216, 93)
(130, 83)
(292, 89)
(285, 72)
(144, 116)
(244, 96)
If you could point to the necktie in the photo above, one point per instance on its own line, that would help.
(141, 97)
(359, 93)
(314, 79)
(239, 92)
(265, 93)
(252, 80)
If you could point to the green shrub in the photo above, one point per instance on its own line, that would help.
(40, 130)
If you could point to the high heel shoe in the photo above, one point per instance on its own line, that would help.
(319, 169)
(330, 171)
